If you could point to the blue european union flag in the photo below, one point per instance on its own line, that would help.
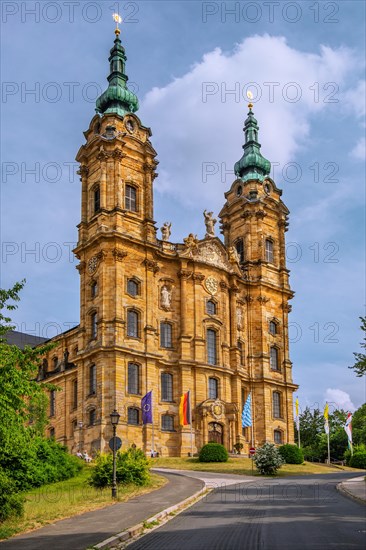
(246, 417)
(146, 407)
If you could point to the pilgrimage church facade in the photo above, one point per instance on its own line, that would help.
(208, 316)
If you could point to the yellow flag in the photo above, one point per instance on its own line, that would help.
(326, 411)
(297, 406)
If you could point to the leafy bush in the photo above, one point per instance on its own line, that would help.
(132, 466)
(358, 460)
(268, 459)
(213, 452)
(291, 454)
(356, 449)
(11, 502)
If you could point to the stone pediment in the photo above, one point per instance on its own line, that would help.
(207, 251)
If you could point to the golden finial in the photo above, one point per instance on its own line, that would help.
(250, 96)
(118, 19)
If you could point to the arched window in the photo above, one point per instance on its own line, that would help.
(52, 433)
(92, 417)
(93, 325)
(276, 404)
(213, 388)
(132, 323)
(133, 416)
(167, 423)
(165, 335)
(277, 436)
(96, 199)
(133, 287)
(211, 340)
(166, 386)
(273, 358)
(211, 307)
(239, 245)
(52, 402)
(130, 198)
(74, 394)
(94, 289)
(92, 379)
(133, 383)
(269, 251)
(273, 328)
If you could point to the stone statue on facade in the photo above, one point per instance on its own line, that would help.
(239, 318)
(165, 297)
(166, 231)
(233, 255)
(210, 223)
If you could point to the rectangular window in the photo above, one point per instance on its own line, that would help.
(75, 394)
(96, 200)
(132, 323)
(276, 404)
(93, 326)
(92, 417)
(213, 388)
(211, 347)
(165, 335)
(278, 437)
(92, 379)
(239, 245)
(52, 402)
(269, 251)
(273, 358)
(133, 383)
(166, 386)
(130, 199)
(132, 416)
(167, 423)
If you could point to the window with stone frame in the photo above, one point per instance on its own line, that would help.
(133, 287)
(166, 331)
(92, 379)
(94, 289)
(277, 404)
(239, 246)
(133, 382)
(166, 386)
(92, 417)
(131, 198)
(211, 342)
(52, 433)
(273, 358)
(133, 416)
(211, 307)
(269, 251)
(96, 199)
(74, 394)
(277, 436)
(273, 328)
(93, 325)
(132, 323)
(213, 388)
(167, 423)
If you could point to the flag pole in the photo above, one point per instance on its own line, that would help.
(152, 425)
(190, 418)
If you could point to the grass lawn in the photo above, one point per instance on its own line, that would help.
(69, 498)
(243, 466)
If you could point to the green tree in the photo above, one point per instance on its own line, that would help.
(360, 365)
(359, 426)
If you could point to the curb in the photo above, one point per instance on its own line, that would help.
(342, 489)
(139, 529)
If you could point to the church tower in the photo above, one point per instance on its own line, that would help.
(201, 316)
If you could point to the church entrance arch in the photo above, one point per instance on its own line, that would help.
(215, 433)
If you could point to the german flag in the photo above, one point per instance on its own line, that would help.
(185, 409)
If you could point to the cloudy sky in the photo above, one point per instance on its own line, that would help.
(190, 64)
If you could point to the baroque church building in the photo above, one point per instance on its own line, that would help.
(208, 316)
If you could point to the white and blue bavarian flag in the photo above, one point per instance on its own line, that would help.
(246, 417)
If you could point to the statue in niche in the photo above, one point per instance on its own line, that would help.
(210, 223)
(165, 231)
(233, 255)
(165, 297)
(239, 318)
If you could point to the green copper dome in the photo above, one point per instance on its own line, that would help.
(252, 164)
(117, 98)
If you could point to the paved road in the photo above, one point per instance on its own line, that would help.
(305, 513)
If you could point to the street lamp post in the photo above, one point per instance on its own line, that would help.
(114, 421)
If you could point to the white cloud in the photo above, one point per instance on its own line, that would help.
(197, 120)
(341, 398)
(359, 151)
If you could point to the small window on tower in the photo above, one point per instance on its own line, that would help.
(130, 199)
(133, 287)
(273, 328)
(96, 199)
(269, 251)
(239, 245)
(211, 307)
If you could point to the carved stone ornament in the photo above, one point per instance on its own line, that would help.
(151, 265)
(263, 299)
(92, 264)
(211, 285)
(217, 409)
(119, 254)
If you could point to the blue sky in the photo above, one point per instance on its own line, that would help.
(190, 64)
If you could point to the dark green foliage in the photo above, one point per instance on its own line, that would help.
(132, 466)
(360, 365)
(358, 460)
(291, 454)
(268, 459)
(213, 452)
(359, 425)
(11, 502)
